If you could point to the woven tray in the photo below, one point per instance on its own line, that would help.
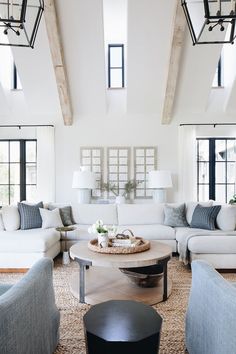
(143, 246)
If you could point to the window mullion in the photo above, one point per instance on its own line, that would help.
(22, 170)
(212, 167)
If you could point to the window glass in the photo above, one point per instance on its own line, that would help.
(217, 175)
(16, 172)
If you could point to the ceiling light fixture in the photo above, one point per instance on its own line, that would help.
(19, 22)
(210, 21)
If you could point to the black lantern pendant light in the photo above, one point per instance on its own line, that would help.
(19, 22)
(210, 21)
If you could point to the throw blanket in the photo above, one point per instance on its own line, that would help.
(183, 244)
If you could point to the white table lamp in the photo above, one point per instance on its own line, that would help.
(84, 181)
(159, 181)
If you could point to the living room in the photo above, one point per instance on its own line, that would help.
(114, 90)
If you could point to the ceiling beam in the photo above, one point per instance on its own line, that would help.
(179, 23)
(55, 44)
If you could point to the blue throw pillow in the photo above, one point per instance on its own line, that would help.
(30, 217)
(205, 217)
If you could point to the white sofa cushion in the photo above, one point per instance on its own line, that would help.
(140, 214)
(50, 218)
(151, 232)
(190, 206)
(218, 244)
(11, 217)
(27, 241)
(88, 214)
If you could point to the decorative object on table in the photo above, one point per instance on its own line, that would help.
(121, 326)
(210, 22)
(233, 200)
(84, 180)
(129, 186)
(66, 256)
(145, 277)
(102, 233)
(141, 246)
(19, 22)
(159, 181)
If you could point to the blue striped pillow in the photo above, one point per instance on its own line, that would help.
(30, 217)
(205, 217)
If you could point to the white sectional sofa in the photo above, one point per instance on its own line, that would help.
(21, 248)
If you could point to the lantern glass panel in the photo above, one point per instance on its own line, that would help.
(208, 30)
(220, 8)
(11, 10)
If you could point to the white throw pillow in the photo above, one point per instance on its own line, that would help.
(11, 217)
(50, 218)
(226, 219)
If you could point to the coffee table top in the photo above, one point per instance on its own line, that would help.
(157, 251)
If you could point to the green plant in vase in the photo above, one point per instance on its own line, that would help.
(233, 200)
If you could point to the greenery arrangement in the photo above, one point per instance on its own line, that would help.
(233, 199)
(98, 228)
(128, 187)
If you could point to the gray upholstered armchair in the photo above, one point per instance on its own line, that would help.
(211, 314)
(29, 318)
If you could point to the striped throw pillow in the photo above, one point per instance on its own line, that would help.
(205, 217)
(30, 217)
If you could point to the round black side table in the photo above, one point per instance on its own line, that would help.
(122, 327)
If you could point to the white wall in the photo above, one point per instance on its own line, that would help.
(95, 124)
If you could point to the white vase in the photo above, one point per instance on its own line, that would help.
(120, 199)
(103, 240)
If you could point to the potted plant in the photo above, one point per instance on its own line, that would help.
(129, 186)
(233, 200)
(101, 231)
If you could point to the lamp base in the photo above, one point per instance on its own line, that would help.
(159, 195)
(84, 196)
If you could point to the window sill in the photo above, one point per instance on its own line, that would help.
(16, 90)
(217, 87)
(116, 88)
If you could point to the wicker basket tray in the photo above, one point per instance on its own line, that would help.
(144, 245)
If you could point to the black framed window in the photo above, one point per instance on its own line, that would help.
(218, 78)
(116, 70)
(18, 167)
(216, 168)
(16, 83)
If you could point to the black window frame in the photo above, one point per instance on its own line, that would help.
(23, 163)
(219, 73)
(212, 167)
(110, 68)
(15, 78)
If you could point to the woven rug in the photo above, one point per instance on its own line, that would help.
(71, 329)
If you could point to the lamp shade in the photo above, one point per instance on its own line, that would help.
(159, 179)
(83, 180)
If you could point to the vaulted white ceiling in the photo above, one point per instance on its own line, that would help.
(149, 40)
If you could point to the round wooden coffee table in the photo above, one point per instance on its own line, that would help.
(104, 280)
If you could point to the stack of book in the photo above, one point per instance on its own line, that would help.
(128, 242)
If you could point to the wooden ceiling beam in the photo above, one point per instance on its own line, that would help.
(56, 48)
(179, 24)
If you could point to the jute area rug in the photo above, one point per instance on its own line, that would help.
(71, 329)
